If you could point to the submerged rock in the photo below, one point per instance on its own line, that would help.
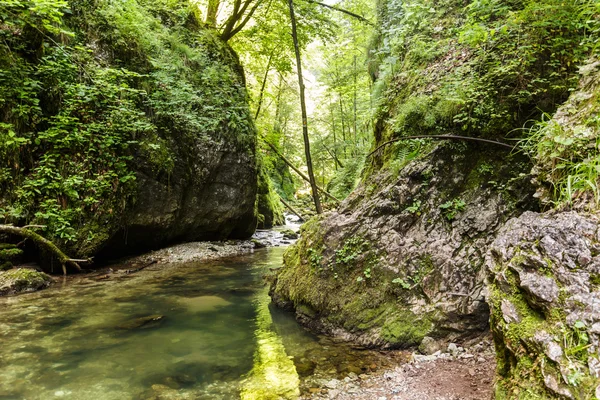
(150, 321)
(22, 280)
(543, 293)
(203, 303)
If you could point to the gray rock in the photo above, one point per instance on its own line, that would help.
(542, 287)
(594, 367)
(429, 346)
(555, 316)
(509, 312)
(453, 349)
(332, 384)
(442, 249)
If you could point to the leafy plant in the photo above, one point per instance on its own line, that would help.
(402, 283)
(451, 208)
(414, 208)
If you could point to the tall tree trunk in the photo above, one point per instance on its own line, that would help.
(211, 13)
(343, 127)
(334, 136)
(264, 84)
(355, 147)
(311, 175)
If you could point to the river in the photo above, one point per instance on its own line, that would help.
(203, 330)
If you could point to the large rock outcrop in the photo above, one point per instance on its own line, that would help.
(403, 254)
(124, 126)
(544, 293)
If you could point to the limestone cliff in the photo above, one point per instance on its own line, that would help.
(124, 126)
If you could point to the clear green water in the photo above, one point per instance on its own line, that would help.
(219, 338)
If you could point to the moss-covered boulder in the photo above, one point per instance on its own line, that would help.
(124, 125)
(22, 280)
(544, 293)
(401, 258)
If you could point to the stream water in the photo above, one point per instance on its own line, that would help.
(179, 331)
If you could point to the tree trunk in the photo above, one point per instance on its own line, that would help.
(289, 207)
(343, 127)
(211, 13)
(309, 166)
(355, 148)
(264, 84)
(333, 131)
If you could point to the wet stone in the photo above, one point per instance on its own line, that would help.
(150, 321)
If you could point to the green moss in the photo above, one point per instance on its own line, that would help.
(406, 329)
(595, 281)
(269, 208)
(22, 279)
(311, 273)
(10, 254)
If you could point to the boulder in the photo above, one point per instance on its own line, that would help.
(22, 280)
(404, 253)
(544, 296)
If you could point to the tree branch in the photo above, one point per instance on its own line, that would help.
(441, 137)
(350, 13)
(302, 175)
(45, 243)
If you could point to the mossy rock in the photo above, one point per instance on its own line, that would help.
(23, 280)
(10, 253)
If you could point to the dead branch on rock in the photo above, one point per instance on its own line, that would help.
(41, 241)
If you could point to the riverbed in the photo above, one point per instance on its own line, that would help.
(192, 330)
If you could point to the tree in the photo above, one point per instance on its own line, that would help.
(309, 165)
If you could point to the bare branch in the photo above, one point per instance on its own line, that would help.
(342, 10)
(441, 137)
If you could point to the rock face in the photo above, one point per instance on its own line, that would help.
(22, 280)
(403, 254)
(213, 201)
(544, 294)
(137, 134)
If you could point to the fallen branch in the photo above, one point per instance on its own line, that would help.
(441, 137)
(291, 209)
(45, 243)
(302, 175)
(132, 271)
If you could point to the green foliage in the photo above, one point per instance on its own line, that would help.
(80, 112)
(315, 257)
(346, 179)
(351, 250)
(451, 208)
(414, 208)
(402, 283)
(483, 72)
(568, 157)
